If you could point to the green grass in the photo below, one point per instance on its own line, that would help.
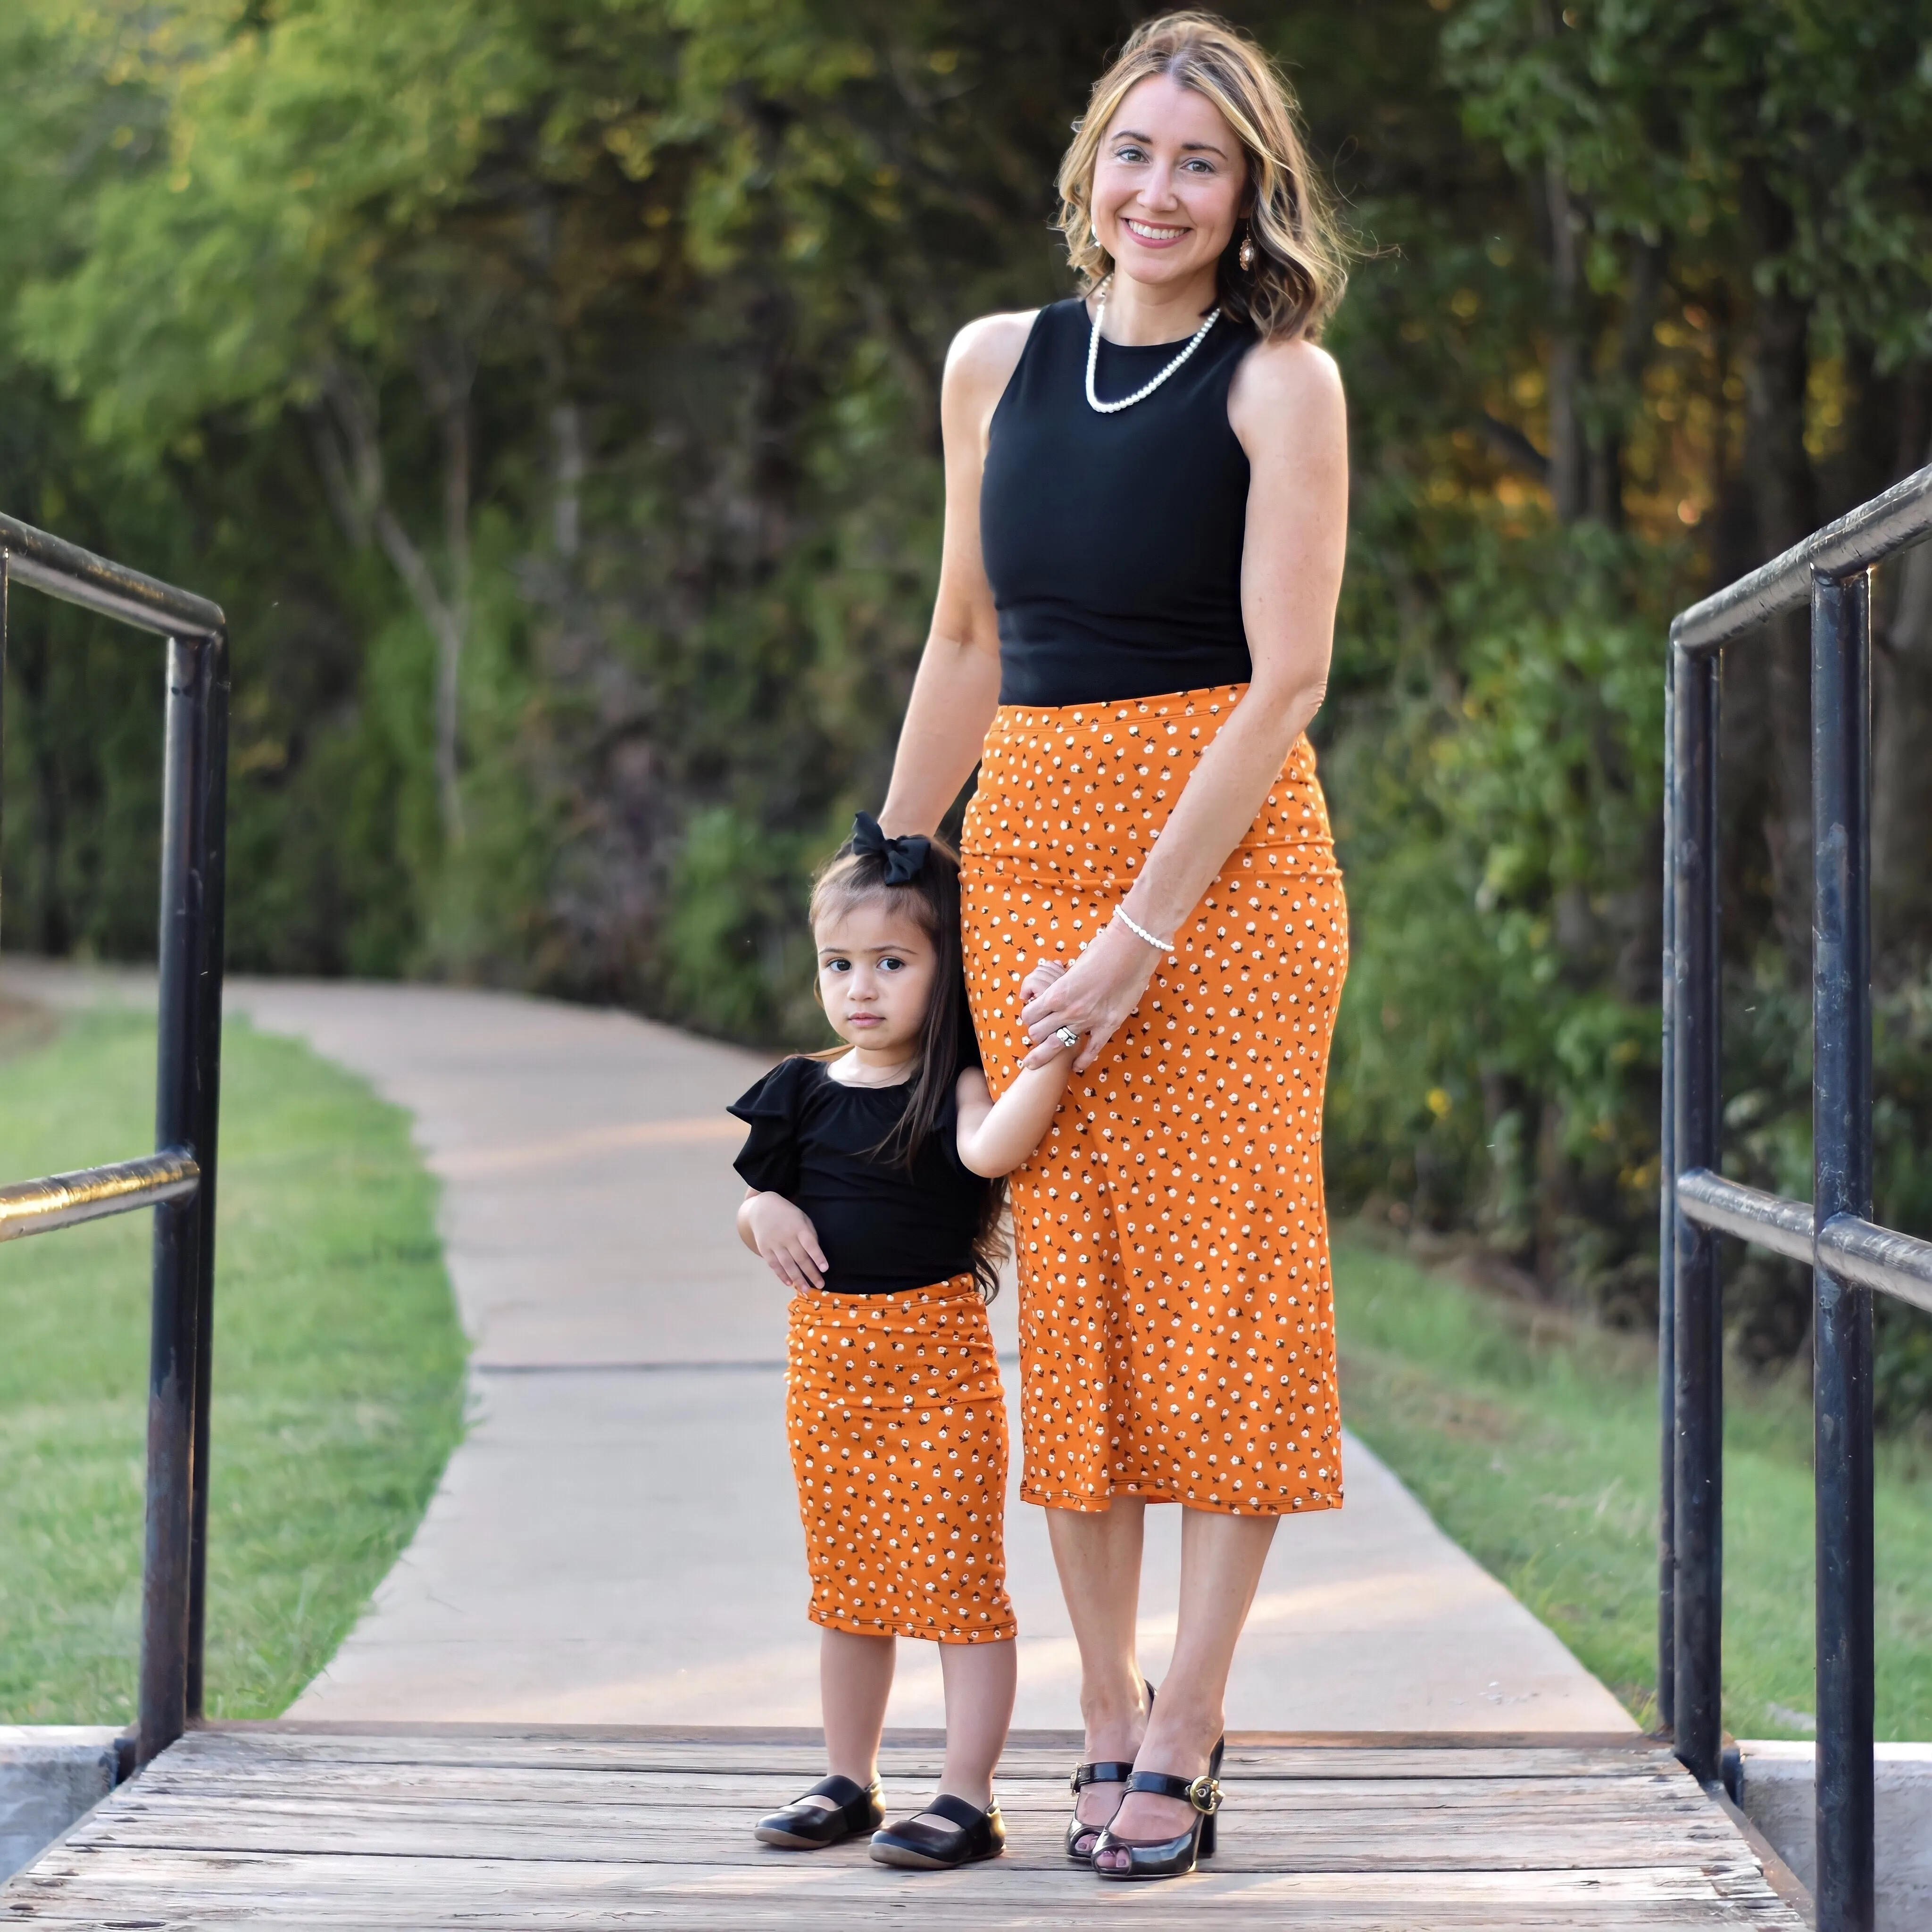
(1534, 1443)
(338, 1371)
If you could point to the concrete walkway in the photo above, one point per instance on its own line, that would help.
(616, 1541)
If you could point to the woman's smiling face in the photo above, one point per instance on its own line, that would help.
(1168, 183)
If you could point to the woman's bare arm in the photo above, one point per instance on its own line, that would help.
(957, 688)
(1287, 408)
(1291, 419)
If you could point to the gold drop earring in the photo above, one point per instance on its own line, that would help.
(1246, 255)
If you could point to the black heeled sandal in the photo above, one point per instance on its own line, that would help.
(1106, 1771)
(803, 1827)
(1168, 1858)
(917, 1846)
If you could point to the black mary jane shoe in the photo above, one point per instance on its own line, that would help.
(805, 1827)
(916, 1845)
(1104, 1771)
(1168, 1858)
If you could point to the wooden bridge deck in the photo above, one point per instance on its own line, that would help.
(406, 1829)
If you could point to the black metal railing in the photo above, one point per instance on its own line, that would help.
(178, 1182)
(1849, 1256)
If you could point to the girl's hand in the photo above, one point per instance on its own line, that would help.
(786, 1241)
(1046, 974)
(1098, 991)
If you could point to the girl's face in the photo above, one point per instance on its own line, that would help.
(1168, 183)
(875, 972)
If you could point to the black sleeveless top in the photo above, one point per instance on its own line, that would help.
(1113, 543)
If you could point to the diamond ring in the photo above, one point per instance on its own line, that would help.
(1067, 1037)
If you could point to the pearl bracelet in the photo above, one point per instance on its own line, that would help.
(1141, 933)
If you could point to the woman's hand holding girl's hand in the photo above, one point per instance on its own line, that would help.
(1097, 993)
(787, 1242)
(1042, 975)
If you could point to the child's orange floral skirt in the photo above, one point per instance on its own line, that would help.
(1177, 1321)
(898, 1441)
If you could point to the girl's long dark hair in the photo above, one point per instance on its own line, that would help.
(931, 897)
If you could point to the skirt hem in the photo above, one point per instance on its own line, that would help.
(1086, 1504)
(853, 1626)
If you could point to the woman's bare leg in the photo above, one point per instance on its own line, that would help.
(1221, 1559)
(855, 1679)
(1098, 1554)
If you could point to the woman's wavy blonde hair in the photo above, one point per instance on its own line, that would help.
(1300, 266)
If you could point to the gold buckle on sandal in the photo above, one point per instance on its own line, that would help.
(1205, 1795)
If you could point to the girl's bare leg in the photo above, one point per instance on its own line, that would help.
(980, 1679)
(855, 1679)
(1098, 1554)
(1221, 1559)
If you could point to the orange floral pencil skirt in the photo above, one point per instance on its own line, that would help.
(1177, 1321)
(898, 1423)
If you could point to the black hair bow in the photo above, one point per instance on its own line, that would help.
(905, 858)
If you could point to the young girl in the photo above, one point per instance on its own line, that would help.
(875, 1197)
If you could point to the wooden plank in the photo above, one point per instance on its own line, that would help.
(1359, 1800)
(1288, 1784)
(623, 1803)
(1778, 1874)
(404, 1895)
(686, 1797)
(725, 1751)
(539, 1738)
(1242, 1766)
(1493, 1842)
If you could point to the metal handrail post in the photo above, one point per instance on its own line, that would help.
(1697, 1381)
(212, 692)
(6, 578)
(163, 1704)
(1667, 1251)
(178, 1181)
(1842, 1158)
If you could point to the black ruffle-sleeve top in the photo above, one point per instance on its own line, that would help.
(881, 1228)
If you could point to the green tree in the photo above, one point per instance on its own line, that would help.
(548, 387)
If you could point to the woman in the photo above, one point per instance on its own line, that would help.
(1146, 509)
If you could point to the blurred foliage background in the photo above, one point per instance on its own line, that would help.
(548, 388)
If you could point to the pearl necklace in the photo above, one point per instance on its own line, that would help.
(1147, 389)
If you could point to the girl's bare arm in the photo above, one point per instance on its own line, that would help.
(1005, 1133)
(780, 1233)
(995, 1136)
